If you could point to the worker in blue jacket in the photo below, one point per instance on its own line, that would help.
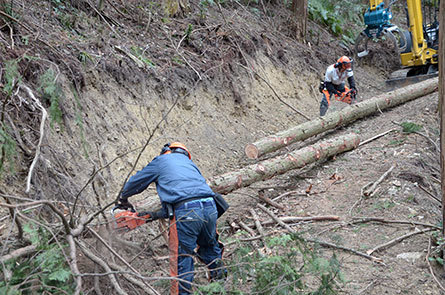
(188, 202)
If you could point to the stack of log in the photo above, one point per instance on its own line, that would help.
(299, 158)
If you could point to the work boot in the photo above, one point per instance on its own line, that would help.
(218, 273)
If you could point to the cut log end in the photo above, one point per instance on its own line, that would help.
(251, 151)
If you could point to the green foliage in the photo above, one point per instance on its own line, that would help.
(7, 144)
(292, 268)
(58, 5)
(52, 93)
(214, 288)
(276, 275)
(437, 255)
(46, 273)
(84, 57)
(188, 32)
(7, 147)
(140, 54)
(12, 76)
(7, 7)
(204, 7)
(410, 127)
(337, 16)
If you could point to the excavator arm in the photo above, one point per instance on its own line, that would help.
(417, 47)
(419, 54)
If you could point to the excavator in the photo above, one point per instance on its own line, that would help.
(417, 47)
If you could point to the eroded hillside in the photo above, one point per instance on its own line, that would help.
(120, 79)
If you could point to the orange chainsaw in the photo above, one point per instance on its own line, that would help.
(128, 219)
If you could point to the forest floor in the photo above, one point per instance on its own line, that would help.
(216, 82)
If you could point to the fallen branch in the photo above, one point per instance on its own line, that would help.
(103, 18)
(373, 187)
(16, 20)
(18, 253)
(105, 266)
(286, 194)
(436, 148)
(321, 243)
(398, 239)
(292, 219)
(329, 245)
(119, 257)
(260, 229)
(246, 228)
(427, 258)
(269, 201)
(137, 61)
(430, 194)
(277, 220)
(42, 132)
(382, 220)
(377, 136)
(132, 279)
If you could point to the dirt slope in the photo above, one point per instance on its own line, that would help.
(214, 82)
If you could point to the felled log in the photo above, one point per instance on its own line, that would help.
(342, 117)
(230, 181)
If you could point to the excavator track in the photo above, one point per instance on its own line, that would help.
(399, 79)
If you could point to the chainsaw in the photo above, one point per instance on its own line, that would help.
(127, 219)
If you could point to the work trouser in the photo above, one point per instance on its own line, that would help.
(195, 226)
(325, 101)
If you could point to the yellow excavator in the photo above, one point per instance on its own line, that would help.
(417, 47)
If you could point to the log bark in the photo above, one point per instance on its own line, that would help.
(442, 106)
(342, 117)
(266, 169)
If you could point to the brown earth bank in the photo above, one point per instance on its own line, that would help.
(132, 78)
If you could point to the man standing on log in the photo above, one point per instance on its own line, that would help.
(188, 202)
(334, 84)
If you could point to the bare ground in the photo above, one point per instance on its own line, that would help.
(216, 116)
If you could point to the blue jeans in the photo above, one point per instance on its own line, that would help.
(196, 225)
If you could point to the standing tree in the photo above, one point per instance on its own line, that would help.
(299, 9)
(442, 105)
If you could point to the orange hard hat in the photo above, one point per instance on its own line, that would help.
(178, 145)
(344, 63)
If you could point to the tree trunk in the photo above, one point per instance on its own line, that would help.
(266, 169)
(343, 117)
(442, 104)
(299, 9)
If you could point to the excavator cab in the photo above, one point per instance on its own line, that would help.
(417, 47)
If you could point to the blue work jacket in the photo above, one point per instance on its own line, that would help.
(177, 179)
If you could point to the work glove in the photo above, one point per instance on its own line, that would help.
(150, 215)
(124, 205)
(338, 93)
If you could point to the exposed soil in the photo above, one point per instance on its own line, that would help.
(214, 82)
